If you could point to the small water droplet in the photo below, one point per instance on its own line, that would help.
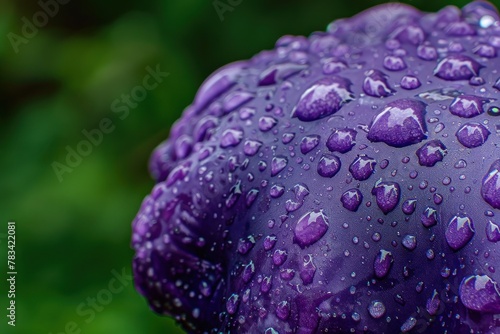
(310, 228)
(375, 84)
(387, 195)
(351, 199)
(472, 135)
(490, 189)
(341, 140)
(328, 165)
(376, 309)
(383, 263)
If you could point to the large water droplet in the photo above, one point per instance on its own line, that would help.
(341, 140)
(277, 190)
(387, 195)
(480, 293)
(278, 164)
(412, 34)
(460, 28)
(459, 232)
(431, 153)
(472, 135)
(310, 228)
(351, 199)
(375, 84)
(308, 143)
(490, 189)
(383, 263)
(457, 67)
(323, 98)
(400, 124)
(328, 165)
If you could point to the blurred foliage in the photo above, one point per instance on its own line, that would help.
(63, 80)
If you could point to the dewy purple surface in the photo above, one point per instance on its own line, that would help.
(348, 182)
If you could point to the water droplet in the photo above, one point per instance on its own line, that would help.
(301, 191)
(412, 34)
(231, 138)
(333, 66)
(431, 153)
(375, 84)
(408, 325)
(236, 99)
(409, 206)
(280, 72)
(341, 140)
(323, 98)
(393, 63)
(485, 50)
(279, 257)
(287, 137)
(310, 228)
(409, 242)
(457, 67)
(387, 195)
(218, 83)
(287, 274)
(308, 270)
(492, 232)
(251, 147)
(270, 241)
(460, 28)
(283, 310)
(376, 309)
(459, 232)
(245, 244)
(232, 303)
(266, 123)
(472, 135)
(490, 189)
(467, 106)
(278, 164)
(351, 199)
(427, 52)
(234, 194)
(251, 196)
(410, 82)
(277, 190)
(248, 272)
(383, 263)
(308, 143)
(480, 293)
(362, 167)
(328, 165)
(433, 303)
(400, 124)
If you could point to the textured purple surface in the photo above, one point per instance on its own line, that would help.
(348, 182)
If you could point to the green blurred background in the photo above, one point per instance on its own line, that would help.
(72, 234)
